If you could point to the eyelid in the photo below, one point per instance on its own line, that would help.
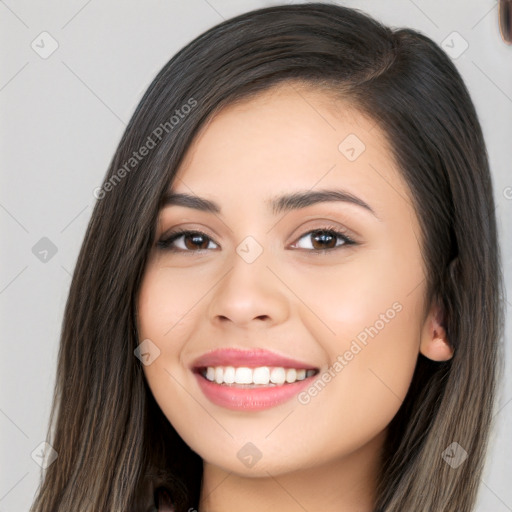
(325, 223)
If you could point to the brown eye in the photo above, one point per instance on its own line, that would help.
(186, 241)
(195, 241)
(323, 239)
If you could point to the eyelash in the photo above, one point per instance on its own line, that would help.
(165, 244)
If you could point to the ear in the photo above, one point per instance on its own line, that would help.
(434, 342)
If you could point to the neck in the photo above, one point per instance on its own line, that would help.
(346, 484)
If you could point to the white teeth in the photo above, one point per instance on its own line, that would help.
(262, 375)
(291, 375)
(229, 375)
(243, 376)
(210, 373)
(277, 375)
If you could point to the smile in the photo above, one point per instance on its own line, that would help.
(250, 380)
(261, 376)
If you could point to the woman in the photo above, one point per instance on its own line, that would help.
(288, 296)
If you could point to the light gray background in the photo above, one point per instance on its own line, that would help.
(61, 120)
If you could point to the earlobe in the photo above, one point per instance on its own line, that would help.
(434, 340)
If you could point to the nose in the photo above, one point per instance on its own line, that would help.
(249, 296)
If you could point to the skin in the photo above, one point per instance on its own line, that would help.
(325, 454)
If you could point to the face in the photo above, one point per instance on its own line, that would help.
(325, 293)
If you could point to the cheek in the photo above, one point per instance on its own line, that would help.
(165, 317)
(166, 305)
(368, 323)
(365, 288)
(372, 374)
(368, 377)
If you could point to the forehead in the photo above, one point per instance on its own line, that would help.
(290, 137)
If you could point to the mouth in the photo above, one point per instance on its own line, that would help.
(250, 380)
(244, 377)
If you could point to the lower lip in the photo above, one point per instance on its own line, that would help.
(250, 399)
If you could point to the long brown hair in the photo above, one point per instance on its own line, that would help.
(115, 447)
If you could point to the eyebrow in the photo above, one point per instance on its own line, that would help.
(279, 204)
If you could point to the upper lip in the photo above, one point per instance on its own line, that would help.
(247, 358)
